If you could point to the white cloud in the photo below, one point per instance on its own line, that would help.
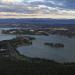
(10, 1)
(66, 12)
(34, 0)
(19, 9)
(52, 2)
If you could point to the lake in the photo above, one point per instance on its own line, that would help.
(6, 37)
(39, 50)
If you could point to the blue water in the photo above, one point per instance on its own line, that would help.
(39, 50)
(6, 37)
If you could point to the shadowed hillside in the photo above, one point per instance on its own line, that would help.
(34, 67)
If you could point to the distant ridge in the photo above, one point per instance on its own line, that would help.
(46, 21)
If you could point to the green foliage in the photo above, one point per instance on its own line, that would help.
(36, 67)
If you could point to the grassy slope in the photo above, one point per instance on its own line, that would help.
(36, 67)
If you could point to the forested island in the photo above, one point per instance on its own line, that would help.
(55, 45)
(68, 31)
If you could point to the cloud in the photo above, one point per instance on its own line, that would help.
(10, 1)
(19, 8)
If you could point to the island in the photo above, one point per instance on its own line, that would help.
(8, 48)
(55, 45)
(42, 30)
(25, 32)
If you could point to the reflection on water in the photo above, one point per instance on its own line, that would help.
(39, 50)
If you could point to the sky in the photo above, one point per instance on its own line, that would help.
(37, 9)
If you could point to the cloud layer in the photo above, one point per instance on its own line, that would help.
(59, 8)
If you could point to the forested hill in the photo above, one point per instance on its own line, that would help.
(40, 21)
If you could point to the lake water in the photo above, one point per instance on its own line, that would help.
(39, 50)
(8, 28)
(6, 37)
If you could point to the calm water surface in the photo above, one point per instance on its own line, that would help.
(6, 37)
(39, 50)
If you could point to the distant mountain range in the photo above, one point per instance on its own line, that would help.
(40, 21)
